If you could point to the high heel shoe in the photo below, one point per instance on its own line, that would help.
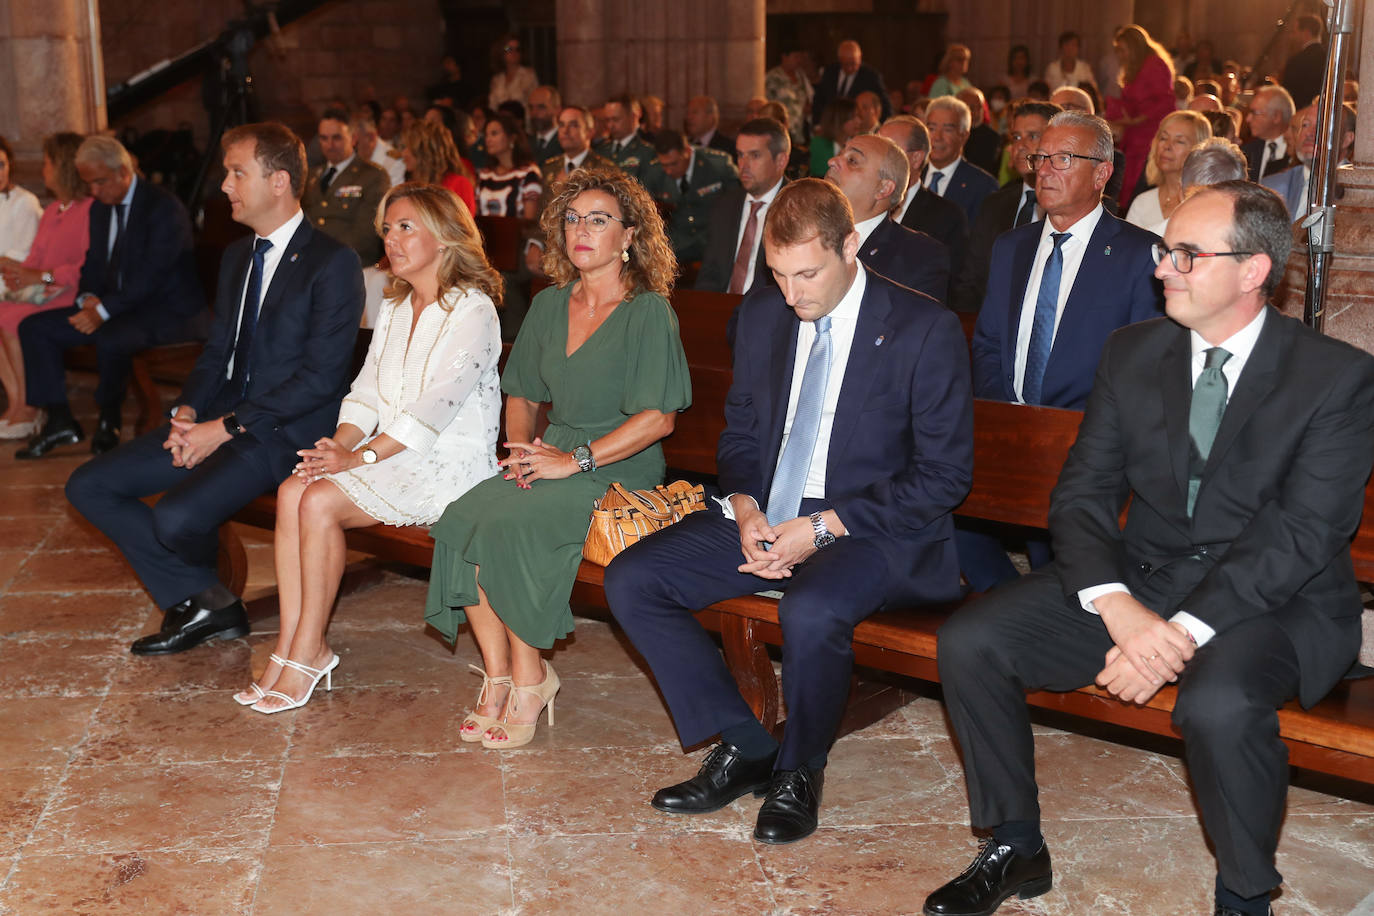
(254, 691)
(518, 734)
(291, 702)
(476, 724)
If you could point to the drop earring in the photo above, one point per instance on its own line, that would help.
(624, 255)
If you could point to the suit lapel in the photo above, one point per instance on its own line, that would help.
(782, 356)
(1023, 262)
(285, 267)
(1083, 296)
(1176, 388)
(861, 369)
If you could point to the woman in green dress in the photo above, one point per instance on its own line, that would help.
(601, 346)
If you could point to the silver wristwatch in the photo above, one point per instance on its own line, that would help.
(583, 456)
(823, 536)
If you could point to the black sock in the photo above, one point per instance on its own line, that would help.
(1256, 906)
(110, 416)
(214, 598)
(60, 413)
(751, 739)
(1022, 836)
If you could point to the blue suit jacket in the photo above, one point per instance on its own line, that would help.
(968, 186)
(901, 448)
(911, 258)
(1289, 185)
(157, 260)
(1115, 286)
(303, 348)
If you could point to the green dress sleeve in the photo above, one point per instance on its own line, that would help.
(522, 376)
(656, 376)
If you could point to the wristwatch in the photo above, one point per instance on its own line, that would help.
(231, 425)
(369, 456)
(823, 536)
(583, 456)
(47, 278)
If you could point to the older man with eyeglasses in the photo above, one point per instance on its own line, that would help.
(1056, 289)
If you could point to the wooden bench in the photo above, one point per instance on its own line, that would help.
(1018, 453)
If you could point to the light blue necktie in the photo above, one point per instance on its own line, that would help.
(789, 481)
(934, 185)
(1042, 327)
(1204, 417)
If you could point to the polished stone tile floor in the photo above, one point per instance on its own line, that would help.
(133, 785)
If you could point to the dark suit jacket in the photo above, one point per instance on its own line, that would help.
(942, 220)
(1281, 492)
(347, 210)
(1115, 286)
(722, 142)
(911, 258)
(984, 148)
(866, 79)
(719, 259)
(901, 449)
(1304, 74)
(995, 216)
(540, 151)
(302, 349)
(1254, 154)
(967, 188)
(157, 261)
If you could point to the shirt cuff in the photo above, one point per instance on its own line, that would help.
(1086, 596)
(1200, 631)
(100, 310)
(727, 508)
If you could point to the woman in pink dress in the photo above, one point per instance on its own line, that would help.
(52, 268)
(1147, 95)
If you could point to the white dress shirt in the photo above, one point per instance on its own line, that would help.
(947, 172)
(865, 228)
(749, 200)
(1240, 345)
(1072, 249)
(128, 202)
(394, 166)
(280, 238)
(906, 201)
(1280, 153)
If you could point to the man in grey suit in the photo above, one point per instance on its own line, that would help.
(1244, 440)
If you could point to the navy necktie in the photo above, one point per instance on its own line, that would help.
(248, 322)
(327, 178)
(1042, 327)
(112, 270)
(789, 482)
(1204, 417)
(1027, 212)
(934, 185)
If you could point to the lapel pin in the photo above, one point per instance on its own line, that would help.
(872, 252)
(294, 255)
(878, 341)
(1108, 251)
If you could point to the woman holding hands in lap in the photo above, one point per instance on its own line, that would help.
(602, 346)
(416, 430)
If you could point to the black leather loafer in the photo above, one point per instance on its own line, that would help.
(53, 434)
(187, 625)
(106, 437)
(1232, 911)
(724, 776)
(790, 810)
(996, 874)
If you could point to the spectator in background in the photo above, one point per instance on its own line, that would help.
(949, 174)
(734, 258)
(1292, 184)
(512, 82)
(1223, 123)
(1204, 64)
(623, 145)
(685, 182)
(451, 88)
(870, 109)
(463, 131)
(1085, 99)
(1068, 69)
(1178, 134)
(1018, 78)
(943, 220)
(389, 125)
(1306, 69)
(545, 104)
(1183, 92)
(343, 192)
(787, 84)
(703, 125)
(953, 70)
(652, 119)
(372, 148)
(431, 156)
(1211, 162)
(510, 184)
(838, 123)
(1271, 111)
(845, 79)
(999, 104)
(19, 210)
(754, 107)
(1147, 95)
(984, 146)
(1205, 103)
(575, 125)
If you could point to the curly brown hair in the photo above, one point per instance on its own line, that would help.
(436, 155)
(652, 265)
(464, 264)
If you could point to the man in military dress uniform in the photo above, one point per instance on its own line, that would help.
(685, 181)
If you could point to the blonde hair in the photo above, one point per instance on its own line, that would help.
(463, 264)
(436, 155)
(1140, 46)
(1202, 131)
(652, 266)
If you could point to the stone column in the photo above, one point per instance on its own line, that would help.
(1349, 311)
(673, 51)
(50, 75)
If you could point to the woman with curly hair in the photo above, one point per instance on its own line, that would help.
(600, 346)
(432, 157)
(416, 430)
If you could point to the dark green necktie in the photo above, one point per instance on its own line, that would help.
(1204, 417)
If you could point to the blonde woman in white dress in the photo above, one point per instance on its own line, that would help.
(417, 429)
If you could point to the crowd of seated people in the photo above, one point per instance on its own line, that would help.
(852, 221)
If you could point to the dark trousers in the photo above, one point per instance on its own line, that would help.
(654, 587)
(172, 545)
(46, 336)
(1028, 636)
(984, 562)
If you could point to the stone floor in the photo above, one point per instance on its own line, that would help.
(137, 785)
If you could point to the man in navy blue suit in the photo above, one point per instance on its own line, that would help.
(268, 383)
(846, 79)
(848, 443)
(949, 174)
(137, 289)
(1056, 289)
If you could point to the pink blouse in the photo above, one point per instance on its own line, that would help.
(60, 246)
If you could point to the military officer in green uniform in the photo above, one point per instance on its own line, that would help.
(624, 146)
(685, 181)
(342, 194)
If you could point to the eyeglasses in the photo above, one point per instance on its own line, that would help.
(1182, 258)
(596, 221)
(1060, 161)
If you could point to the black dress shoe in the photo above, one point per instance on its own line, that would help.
(187, 625)
(789, 811)
(106, 437)
(724, 776)
(996, 874)
(53, 434)
(1232, 911)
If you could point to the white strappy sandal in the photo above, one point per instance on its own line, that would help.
(313, 673)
